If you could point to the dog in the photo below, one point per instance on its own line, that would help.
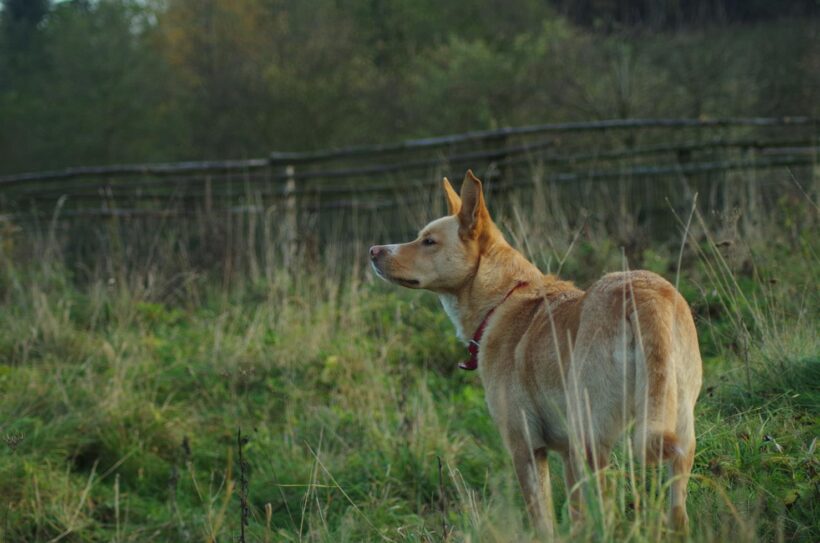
(563, 369)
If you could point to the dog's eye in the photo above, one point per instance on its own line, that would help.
(428, 241)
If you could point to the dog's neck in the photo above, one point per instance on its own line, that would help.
(500, 269)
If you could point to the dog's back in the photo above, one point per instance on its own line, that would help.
(637, 354)
(628, 343)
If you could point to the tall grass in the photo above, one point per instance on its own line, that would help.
(131, 354)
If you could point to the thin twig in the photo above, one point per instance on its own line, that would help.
(442, 502)
(244, 510)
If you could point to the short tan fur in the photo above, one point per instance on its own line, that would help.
(563, 369)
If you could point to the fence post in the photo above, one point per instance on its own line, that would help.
(508, 176)
(208, 197)
(290, 215)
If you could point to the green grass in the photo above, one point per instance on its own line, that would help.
(120, 411)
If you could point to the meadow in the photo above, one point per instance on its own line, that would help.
(156, 397)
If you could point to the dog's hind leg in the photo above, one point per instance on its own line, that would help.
(532, 469)
(668, 378)
(680, 468)
(656, 392)
(582, 472)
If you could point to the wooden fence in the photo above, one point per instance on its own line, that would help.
(366, 178)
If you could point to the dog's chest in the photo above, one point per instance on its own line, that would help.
(450, 304)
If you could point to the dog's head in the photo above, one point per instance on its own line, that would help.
(447, 251)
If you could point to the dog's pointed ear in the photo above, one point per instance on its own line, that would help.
(473, 216)
(453, 199)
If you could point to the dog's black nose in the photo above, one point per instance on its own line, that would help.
(375, 251)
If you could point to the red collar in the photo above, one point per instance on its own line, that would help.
(471, 364)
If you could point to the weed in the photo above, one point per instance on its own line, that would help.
(121, 388)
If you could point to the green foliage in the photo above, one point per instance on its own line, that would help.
(121, 411)
(130, 81)
(91, 91)
(123, 383)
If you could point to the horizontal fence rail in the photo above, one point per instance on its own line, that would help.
(798, 151)
(485, 135)
(633, 173)
(418, 144)
(368, 177)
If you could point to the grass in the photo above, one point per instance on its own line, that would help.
(121, 402)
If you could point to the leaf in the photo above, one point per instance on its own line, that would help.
(791, 498)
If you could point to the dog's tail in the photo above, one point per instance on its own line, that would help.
(656, 398)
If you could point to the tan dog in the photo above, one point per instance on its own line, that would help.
(563, 369)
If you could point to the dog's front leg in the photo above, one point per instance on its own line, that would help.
(532, 469)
